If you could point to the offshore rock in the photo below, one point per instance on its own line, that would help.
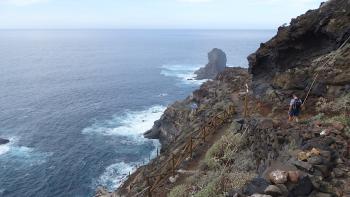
(4, 141)
(217, 63)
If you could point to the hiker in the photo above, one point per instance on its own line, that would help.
(294, 108)
(194, 108)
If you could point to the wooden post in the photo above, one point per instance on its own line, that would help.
(191, 153)
(149, 193)
(203, 133)
(246, 102)
(173, 165)
(246, 106)
(157, 152)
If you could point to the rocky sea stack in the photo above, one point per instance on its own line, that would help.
(4, 141)
(217, 63)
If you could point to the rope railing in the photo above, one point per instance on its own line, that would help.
(324, 65)
(168, 169)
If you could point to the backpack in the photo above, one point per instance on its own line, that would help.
(297, 104)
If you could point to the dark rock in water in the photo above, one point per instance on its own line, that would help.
(257, 185)
(303, 188)
(217, 63)
(4, 141)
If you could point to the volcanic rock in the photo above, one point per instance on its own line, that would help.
(278, 177)
(288, 62)
(217, 63)
(273, 190)
(303, 188)
(257, 185)
(4, 141)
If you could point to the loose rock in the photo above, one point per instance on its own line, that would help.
(273, 190)
(278, 177)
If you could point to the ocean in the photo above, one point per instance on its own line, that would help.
(74, 103)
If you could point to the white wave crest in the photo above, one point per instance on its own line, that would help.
(115, 174)
(4, 149)
(131, 123)
(184, 72)
(25, 155)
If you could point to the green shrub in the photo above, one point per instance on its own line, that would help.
(223, 150)
(179, 191)
(343, 119)
(210, 190)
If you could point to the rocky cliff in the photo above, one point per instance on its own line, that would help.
(217, 63)
(210, 98)
(261, 154)
(288, 62)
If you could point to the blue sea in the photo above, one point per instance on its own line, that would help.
(74, 103)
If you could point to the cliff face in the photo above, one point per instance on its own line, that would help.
(288, 61)
(210, 99)
(217, 63)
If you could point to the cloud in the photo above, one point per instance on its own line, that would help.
(22, 2)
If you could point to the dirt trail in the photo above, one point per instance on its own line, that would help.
(193, 165)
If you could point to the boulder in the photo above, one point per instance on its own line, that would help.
(338, 173)
(260, 195)
(217, 63)
(320, 194)
(314, 160)
(273, 190)
(302, 165)
(293, 176)
(303, 188)
(4, 141)
(278, 177)
(257, 185)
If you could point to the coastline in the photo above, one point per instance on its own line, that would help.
(256, 151)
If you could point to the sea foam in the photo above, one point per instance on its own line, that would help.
(183, 72)
(130, 123)
(22, 155)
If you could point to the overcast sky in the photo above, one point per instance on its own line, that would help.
(203, 14)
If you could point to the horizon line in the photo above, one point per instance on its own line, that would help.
(219, 29)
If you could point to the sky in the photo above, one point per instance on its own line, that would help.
(150, 14)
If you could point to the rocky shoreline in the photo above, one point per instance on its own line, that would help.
(262, 154)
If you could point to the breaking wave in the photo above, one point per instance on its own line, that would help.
(183, 72)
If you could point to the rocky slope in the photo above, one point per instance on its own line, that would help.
(288, 62)
(263, 155)
(210, 98)
(217, 63)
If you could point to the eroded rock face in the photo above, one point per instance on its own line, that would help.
(4, 141)
(288, 62)
(217, 63)
(211, 97)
